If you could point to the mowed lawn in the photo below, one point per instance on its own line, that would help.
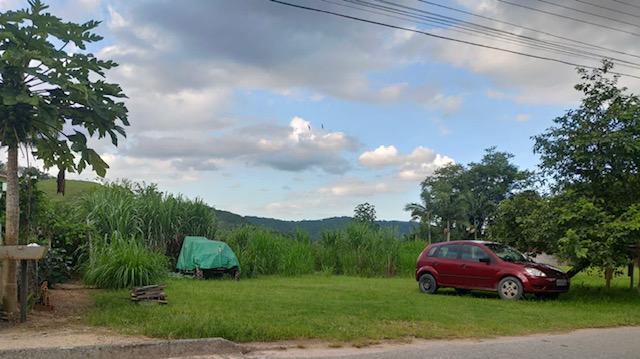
(337, 308)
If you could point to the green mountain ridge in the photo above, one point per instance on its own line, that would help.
(229, 220)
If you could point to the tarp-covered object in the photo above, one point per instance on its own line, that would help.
(203, 253)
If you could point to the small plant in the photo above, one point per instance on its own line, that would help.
(124, 263)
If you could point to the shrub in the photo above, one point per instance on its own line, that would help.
(124, 263)
(56, 267)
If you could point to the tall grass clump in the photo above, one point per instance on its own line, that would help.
(264, 252)
(161, 220)
(408, 255)
(124, 262)
(360, 250)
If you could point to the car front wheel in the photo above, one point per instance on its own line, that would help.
(510, 288)
(428, 284)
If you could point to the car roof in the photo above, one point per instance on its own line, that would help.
(463, 242)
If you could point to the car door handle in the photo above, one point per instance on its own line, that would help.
(463, 266)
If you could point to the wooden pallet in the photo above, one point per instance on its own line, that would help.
(149, 293)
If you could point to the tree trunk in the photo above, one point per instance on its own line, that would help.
(577, 269)
(448, 231)
(429, 229)
(12, 229)
(608, 275)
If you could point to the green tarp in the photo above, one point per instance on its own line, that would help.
(203, 253)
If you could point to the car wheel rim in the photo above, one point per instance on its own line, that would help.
(509, 289)
(426, 284)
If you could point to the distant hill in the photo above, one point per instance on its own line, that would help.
(317, 226)
(228, 220)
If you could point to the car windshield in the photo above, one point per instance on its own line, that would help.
(506, 253)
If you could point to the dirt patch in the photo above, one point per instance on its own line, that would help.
(63, 326)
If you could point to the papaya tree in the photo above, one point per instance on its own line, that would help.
(52, 102)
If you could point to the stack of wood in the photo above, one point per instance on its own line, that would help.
(4, 316)
(149, 293)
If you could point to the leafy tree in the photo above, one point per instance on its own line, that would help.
(592, 153)
(446, 197)
(365, 213)
(52, 102)
(422, 212)
(486, 184)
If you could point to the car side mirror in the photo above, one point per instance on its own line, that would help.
(486, 260)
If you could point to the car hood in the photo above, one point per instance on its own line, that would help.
(547, 269)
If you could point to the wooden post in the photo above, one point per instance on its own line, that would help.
(23, 290)
(631, 270)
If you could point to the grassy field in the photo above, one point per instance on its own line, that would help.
(73, 189)
(340, 308)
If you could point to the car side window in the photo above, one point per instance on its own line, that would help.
(448, 251)
(472, 253)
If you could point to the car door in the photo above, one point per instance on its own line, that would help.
(446, 262)
(473, 272)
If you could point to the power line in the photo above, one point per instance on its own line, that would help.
(569, 18)
(492, 32)
(443, 37)
(528, 28)
(588, 13)
(607, 8)
(474, 32)
(627, 3)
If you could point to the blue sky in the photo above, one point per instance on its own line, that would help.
(270, 111)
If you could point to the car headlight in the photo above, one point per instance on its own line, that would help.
(534, 272)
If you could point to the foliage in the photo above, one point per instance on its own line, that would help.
(51, 98)
(264, 252)
(124, 262)
(365, 213)
(462, 200)
(161, 220)
(56, 267)
(593, 155)
(342, 308)
(360, 250)
(594, 149)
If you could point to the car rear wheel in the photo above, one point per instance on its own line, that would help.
(510, 288)
(428, 284)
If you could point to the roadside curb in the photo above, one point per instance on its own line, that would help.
(155, 349)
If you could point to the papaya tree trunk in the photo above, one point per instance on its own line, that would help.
(448, 231)
(12, 229)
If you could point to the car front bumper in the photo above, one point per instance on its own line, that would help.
(545, 285)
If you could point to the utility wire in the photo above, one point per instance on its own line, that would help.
(607, 8)
(444, 37)
(627, 3)
(537, 43)
(588, 13)
(569, 18)
(474, 32)
(527, 28)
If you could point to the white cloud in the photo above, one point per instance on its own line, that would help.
(353, 188)
(380, 157)
(415, 166)
(523, 117)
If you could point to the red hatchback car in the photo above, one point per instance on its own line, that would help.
(466, 265)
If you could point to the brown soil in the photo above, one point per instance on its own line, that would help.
(62, 326)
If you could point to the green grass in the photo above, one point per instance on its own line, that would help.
(73, 189)
(341, 308)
